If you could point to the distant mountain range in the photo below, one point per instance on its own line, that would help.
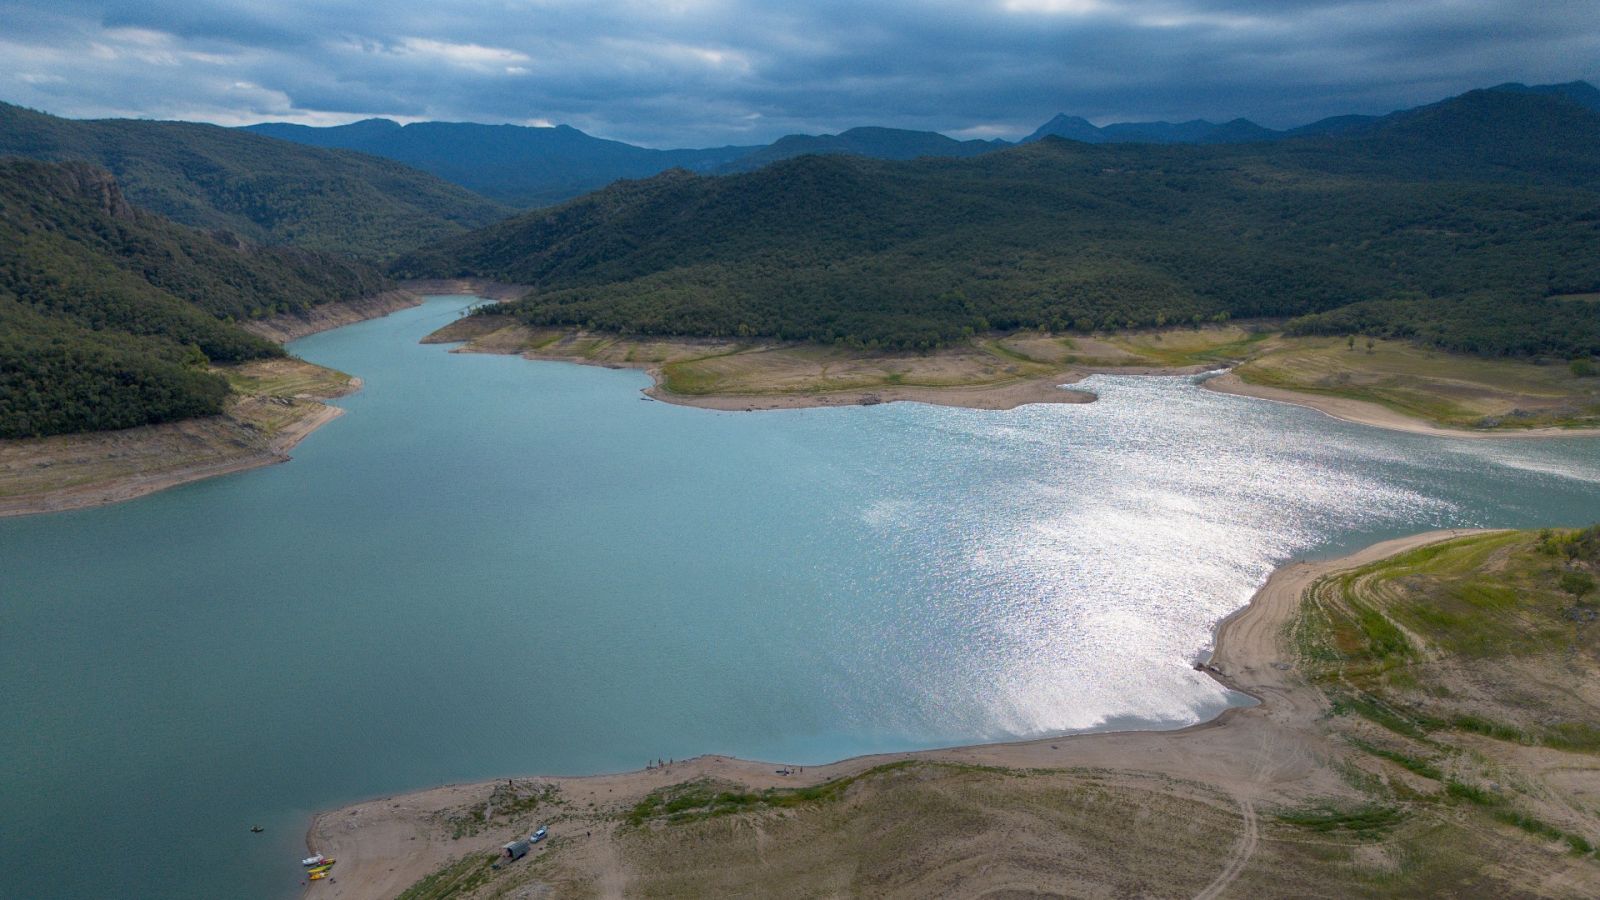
(1244, 131)
(513, 164)
(531, 167)
(1461, 224)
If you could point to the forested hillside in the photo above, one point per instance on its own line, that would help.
(1464, 223)
(263, 190)
(109, 314)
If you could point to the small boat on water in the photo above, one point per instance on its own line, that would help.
(318, 875)
(317, 860)
(324, 866)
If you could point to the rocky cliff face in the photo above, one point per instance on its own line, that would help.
(92, 183)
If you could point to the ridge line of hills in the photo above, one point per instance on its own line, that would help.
(528, 166)
(258, 188)
(1460, 224)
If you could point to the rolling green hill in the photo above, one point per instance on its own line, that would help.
(263, 190)
(1460, 224)
(109, 314)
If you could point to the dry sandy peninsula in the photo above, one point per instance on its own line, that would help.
(999, 397)
(1364, 413)
(160, 457)
(76, 471)
(1277, 752)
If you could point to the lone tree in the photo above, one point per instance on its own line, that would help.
(1577, 584)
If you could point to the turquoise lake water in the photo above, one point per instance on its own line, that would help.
(493, 567)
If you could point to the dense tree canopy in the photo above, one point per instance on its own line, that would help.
(108, 314)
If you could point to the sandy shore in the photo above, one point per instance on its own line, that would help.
(158, 477)
(1272, 752)
(1364, 413)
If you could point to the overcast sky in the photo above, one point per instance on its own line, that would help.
(704, 72)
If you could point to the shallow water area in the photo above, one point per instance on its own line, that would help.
(494, 567)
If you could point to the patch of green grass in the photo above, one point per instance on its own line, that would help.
(1412, 764)
(1497, 730)
(1188, 348)
(1383, 639)
(467, 824)
(999, 348)
(685, 377)
(1477, 796)
(1380, 713)
(697, 800)
(457, 879)
(508, 803)
(1367, 822)
(284, 378)
(1579, 736)
(1576, 843)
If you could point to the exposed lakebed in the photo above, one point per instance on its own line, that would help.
(493, 567)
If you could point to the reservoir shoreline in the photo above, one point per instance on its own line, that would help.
(1273, 752)
(244, 450)
(225, 446)
(802, 376)
(130, 487)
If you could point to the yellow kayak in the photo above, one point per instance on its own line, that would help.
(322, 874)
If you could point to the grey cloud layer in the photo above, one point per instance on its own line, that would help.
(696, 72)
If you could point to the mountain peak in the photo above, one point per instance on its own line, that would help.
(1073, 128)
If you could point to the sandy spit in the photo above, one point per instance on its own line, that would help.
(1269, 753)
(132, 486)
(1364, 413)
(1000, 396)
(1004, 396)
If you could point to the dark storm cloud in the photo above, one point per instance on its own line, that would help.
(686, 72)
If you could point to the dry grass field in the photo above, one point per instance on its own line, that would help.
(1442, 388)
